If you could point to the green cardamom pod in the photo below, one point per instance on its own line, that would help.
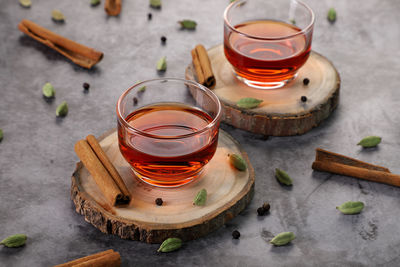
(282, 238)
(170, 244)
(370, 141)
(94, 2)
(188, 24)
(162, 64)
(351, 207)
(1, 135)
(248, 102)
(201, 198)
(62, 109)
(14, 241)
(331, 15)
(283, 177)
(238, 162)
(48, 90)
(142, 89)
(292, 21)
(56, 15)
(155, 3)
(25, 3)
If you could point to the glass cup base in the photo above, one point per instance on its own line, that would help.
(265, 85)
(166, 184)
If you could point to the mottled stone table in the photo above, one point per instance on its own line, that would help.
(37, 157)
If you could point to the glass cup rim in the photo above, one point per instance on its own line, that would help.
(199, 86)
(238, 2)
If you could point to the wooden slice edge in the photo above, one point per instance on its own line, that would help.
(102, 217)
(273, 125)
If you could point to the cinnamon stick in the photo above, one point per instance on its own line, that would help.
(202, 66)
(108, 258)
(112, 7)
(101, 176)
(79, 54)
(339, 164)
(94, 144)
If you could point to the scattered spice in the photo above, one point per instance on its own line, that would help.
(94, 2)
(170, 244)
(163, 39)
(155, 3)
(159, 201)
(266, 206)
(48, 90)
(14, 241)
(306, 81)
(303, 98)
(188, 24)
(62, 109)
(370, 141)
(249, 102)
(79, 54)
(327, 161)
(25, 3)
(135, 101)
(331, 15)
(109, 258)
(238, 162)
(260, 211)
(113, 7)
(149, 16)
(236, 234)
(103, 171)
(162, 64)
(86, 86)
(283, 177)
(282, 239)
(264, 209)
(57, 15)
(201, 198)
(202, 66)
(350, 207)
(1, 135)
(142, 89)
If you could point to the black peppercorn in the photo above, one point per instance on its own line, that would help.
(306, 81)
(149, 16)
(266, 206)
(86, 86)
(236, 234)
(135, 101)
(163, 39)
(303, 99)
(261, 211)
(159, 201)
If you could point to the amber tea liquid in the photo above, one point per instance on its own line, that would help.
(164, 161)
(266, 61)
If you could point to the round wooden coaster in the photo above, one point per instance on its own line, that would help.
(282, 113)
(229, 192)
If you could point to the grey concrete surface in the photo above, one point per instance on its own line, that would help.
(37, 157)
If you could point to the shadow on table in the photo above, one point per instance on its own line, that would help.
(10, 251)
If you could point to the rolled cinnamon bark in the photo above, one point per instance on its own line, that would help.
(106, 258)
(100, 174)
(94, 144)
(343, 165)
(112, 7)
(202, 66)
(79, 54)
